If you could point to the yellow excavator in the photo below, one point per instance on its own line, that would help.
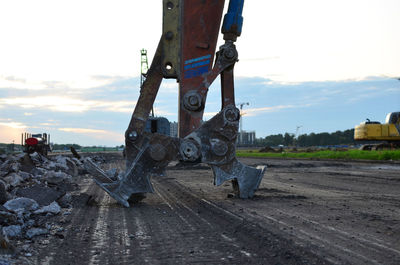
(387, 135)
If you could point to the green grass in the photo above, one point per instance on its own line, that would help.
(97, 149)
(350, 154)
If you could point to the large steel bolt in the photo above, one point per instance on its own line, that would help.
(232, 114)
(192, 101)
(189, 150)
(169, 35)
(133, 135)
(229, 54)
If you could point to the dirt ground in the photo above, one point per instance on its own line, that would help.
(305, 212)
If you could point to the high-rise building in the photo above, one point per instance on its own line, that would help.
(246, 138)
(173, 128)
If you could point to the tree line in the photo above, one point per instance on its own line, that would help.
(313, 139)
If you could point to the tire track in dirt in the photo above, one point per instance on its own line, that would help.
(171, 226)
(184, 223)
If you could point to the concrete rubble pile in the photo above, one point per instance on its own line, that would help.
(33, 190)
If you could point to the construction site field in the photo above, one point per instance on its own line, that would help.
(304, 212)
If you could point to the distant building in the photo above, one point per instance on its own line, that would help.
(246, 138)
(173, 129)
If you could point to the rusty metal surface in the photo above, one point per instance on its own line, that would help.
(201, 20)
(148, 93)
(217, 138)
(214, 141)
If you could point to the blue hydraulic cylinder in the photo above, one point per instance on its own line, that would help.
(233, 20)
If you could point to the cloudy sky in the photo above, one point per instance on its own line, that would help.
(71, 68)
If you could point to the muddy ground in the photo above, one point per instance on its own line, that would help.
(305, 212)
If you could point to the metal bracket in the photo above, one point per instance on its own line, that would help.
(171, 39)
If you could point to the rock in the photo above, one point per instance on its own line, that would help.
(21, 204)
(42, 195)
(53, 177)
(24, 175)
(4, 261)
(112, 173)
(26, 247)
(13, 180)
(5, 248)
(3, 192)
(9, 166)
(38, 172)
(67, 165)
(26, 163)
(65, 201)
(7, 218)
(53, 208)
(29, 223)
(3, 173)
(38, 159)
(72, 168)
(12, 231)
(36, 232)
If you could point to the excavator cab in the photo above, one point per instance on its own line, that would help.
(393, 118)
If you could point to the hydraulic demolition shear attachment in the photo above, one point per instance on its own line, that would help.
(186, 52)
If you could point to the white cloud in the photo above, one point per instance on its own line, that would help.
(82, 130)
(14, 125)
(257, 111)
(67, 104)
(78, 83)
(47, 124)
(95, 133)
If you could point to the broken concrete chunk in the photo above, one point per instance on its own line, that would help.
(3, 173)
(12, 231)
(13, 180)
(5, 249)
(72, 168)
(38, 172)
(65, 201)
(36, 232)
(21, 204)
(24, 175)
(3, 192)
(67, 164)
(42, 195)
(53, 208)
(56, 177)
(112, 173)
(9, 166)
(38, 159)
(7, 218)
(26, 163)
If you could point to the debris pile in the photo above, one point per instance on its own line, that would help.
(269, 149)
(33, 190)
